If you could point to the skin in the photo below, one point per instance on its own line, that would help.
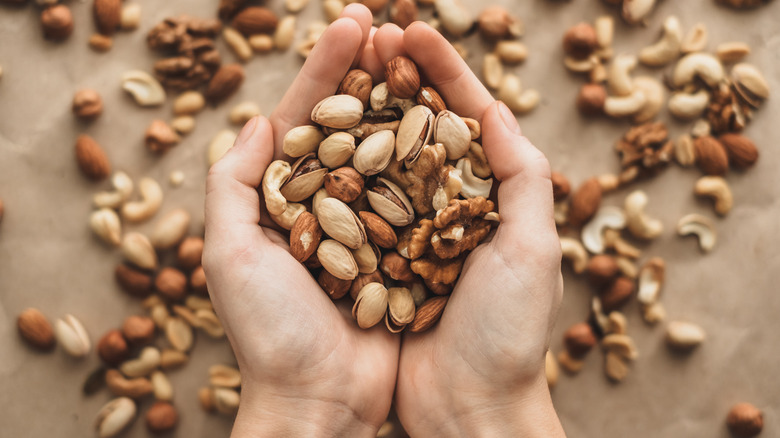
(307, 369)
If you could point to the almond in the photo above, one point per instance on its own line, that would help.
(711, 156)
(585, 202)
(403, 80)
(91, 158)
(254, 20)
(35, 329)
(225, 82)
(428, 314)
(357, 83)
(138, 330)
(108, 15)
(378, 230)
(429, 97)
(133, 281)
(305, 236)
(741, 150)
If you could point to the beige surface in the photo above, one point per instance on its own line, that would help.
(48, 258)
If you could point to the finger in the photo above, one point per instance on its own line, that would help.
(525, 194)
(363, 17)
(319, 77)
(447, 72)
(389, 43)
(232, 201)
(370, 62)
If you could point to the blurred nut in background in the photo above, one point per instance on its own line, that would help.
(112, 348)
(161, 417)
(87, 104)
(579, 339)
(745, 420)
(580, 41)
(138, 330)
(190, 252)
(171, 283)
(36, 329)
(57, 22)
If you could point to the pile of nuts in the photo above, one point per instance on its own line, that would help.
(397, 187)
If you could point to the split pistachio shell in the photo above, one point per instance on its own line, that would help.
(374, 153)
(370, 305)
(750, 84)
(115, 416)
(400, 308)
(366, 257)
(337, 260)
(414, 132)
(302, 140)
(340, 222)
(300, 186)
(341, 111)
(390, 210)
(72, 335)
(451, 131)
(336, 150)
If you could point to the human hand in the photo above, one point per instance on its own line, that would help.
(306, 367)
(480, 371)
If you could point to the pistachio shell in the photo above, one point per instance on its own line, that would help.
(374, 153)
(366, 257)
(340, 222)
(341, 111)
(336, 150)
(370, 305)
(413, 133)
(337, 260)
(302, 140)
(400, 306)
(452, 132)
(750, 83)
(389, 210)
(298, 188)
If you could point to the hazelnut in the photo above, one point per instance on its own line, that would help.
(403, 80)
(160, 137)
(579, 339)
(161, 417)
(745, 420)
(617, 294)
(357, 83)
(171, 283)
(561, 186)
(112, 348)
(57, 22)
(591, 98)
(495, 23)
(334, 287)
(87, 104)
(396, 267)
(198, 280)
(364, 279)
(190, 252)
(580, 41)
(133, 281)
(344, 184)
(601, 269)
(138, 330)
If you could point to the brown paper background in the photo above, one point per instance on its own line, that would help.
(50, 260)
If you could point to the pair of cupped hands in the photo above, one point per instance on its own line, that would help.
(307, 368)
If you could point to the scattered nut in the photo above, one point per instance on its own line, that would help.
(695, 40)
(160, 137)
(72, 336)
(243, 112)
(35, 329)
(667, 49)
(188, 103)
(651, 280)
(684, 335)
(87, 104)
(106, 225)
(145, 89)
(112, 348)
(593, 232)
(137, 250)
(130, 16)
(57, 22)
(170, 229)
(139, 211)
(718, 189)
(161, 417)
(91, 158)
(745, 420)
(183, 124)
(100, 43)
(702, 227)
(638, 223)
(220, 144)
(138, 330)
(572, 250)
(114, 417)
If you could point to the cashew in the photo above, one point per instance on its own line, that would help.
(572, 250)
(701, 128)
(472, 186)
(655, 94)
(581, 65)
(651, 279)
(667, 49)
(151, 199)
(518, 100)
(597, 312)
(106, 225)
(718, 189)
(123, 188)
(695, 40)
(291, 212)
(276, 174)
(635, 11)
(625, 106)
(613, 241)
(639, 224)
(593, 231)
(144, 88)
(702, 227)
(688, 106)
(619, 75)
(608, 182)
(627, 267)
(148, 360)
(707, 67)
(621, 344)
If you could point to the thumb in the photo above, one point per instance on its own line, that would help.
(525, 191)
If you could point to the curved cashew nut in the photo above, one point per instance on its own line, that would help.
(718, 189)
(688, 106)
(626, 105)
(479, 163)
(705, 66)
(593, 232)
(667, 49)
(572, 250)
(702, 227)
(290, 214)
(151, 199)
(581, 65)
(472, 186)
(635, 11)
(276, 174)
(619, 75)
(651, 279)
(639, 224)
(123, 188)
(654, 93)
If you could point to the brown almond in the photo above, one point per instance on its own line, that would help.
(617, 294)
(585, 202)
(108, 15)
(344, 184)
(378, 230)
(305, 236)
(333, 286)
(171, 283)
(357, 83)
(579, 339)
(112, 348)
(428, 314)
(133, 281)
(35, 329)
(190, 252)
(91, 158)
(742, 152)
(711, 156)
(225, 82)
(254, 20)
(432, 99)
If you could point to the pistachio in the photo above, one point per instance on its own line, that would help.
(374, 153)
(337, 259)
(72, 336)
(451, 131)
(414, 132)
(306, 177)
(341, 111)
(344, 184)
(106, 225)
(400, 308)
(390, 202)
(115, 416)
(749, 84)
(340, 222)
(336, 150)
(370, 305)
(367, 258)
(275, 175)
(302, 140)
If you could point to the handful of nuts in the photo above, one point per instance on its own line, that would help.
(386, 197)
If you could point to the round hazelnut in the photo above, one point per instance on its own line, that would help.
(87, 104)
(198, 280)
(495, 22)
(591, 98)
(579, 339)
(403, 79)
(617, 294)
(190, 252)
(161, 417)
(364, 279)
(602, 268)
(138, 330)
(57, 22)
(334, 287)
(561, 186)
(396, 267)
(171, 283)
(580, 40)
(745, 420)
(112, 348)
(344, 184)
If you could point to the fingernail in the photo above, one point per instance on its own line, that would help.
(508, 117)
(247, 131)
